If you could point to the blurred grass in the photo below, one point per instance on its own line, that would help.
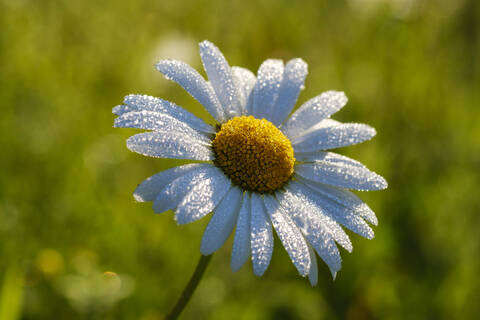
(11, 294)
(410, 69)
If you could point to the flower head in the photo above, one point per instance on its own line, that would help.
(261, 170)
(254, 154)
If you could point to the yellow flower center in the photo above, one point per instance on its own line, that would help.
(254, 154)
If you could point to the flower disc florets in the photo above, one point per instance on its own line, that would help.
(254, 154)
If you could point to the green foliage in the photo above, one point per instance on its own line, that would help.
(11, 294)
(410, 69)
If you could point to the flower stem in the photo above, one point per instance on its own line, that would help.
(190, 288)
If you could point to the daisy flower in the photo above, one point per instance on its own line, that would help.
(257, 168)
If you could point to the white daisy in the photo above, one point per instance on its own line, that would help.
(260, 170)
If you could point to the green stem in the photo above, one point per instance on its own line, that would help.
(190, 288)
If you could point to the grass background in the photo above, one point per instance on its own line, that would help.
(410, 69)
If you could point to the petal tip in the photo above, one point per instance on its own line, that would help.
(116, 123)
(258, 273)
(304, 272)
(117, 110)
(348, 248)
(158, 209)
(205, 250)
(128, 97)
(138, 197)
(205, 43)
(235, 267)
(299, 63)
(383, 184)
(163, 65)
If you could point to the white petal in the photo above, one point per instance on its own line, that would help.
(174, 192)
(316, 232)
(313, 111)
(293, 78)
(328, 251)
(222, 222)
(313, 274)
(220, 76)
(343, 197)
(266, 89)
(203, 197)
(135, 103)
(345, 134)
(319, 229)
(291, 237)
(261, 236)
(341, 175)
(244, 80)
(194, 84)
(339, 195)
(325, 123)
(339, 213)
(327, 156)
(172, 145)
(151, 187)
(306, 214)
(160, 122)
(306, 211)
(241, 243)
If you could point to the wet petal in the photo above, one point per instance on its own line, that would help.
(220, 76)
(136, 103)
(222, 222)
(313, 274)
(160, 122)
(172, 145)
(311, 215)
(265, 92)
(315, 232)
(203, 197)
(292, 239)
(293, 78)
(327, 156)
(343, 197)
(261, 236)
(241, 244)
(316, 227)
(313, 111)
(341, 175)
(194, 84)
(174, 192)
(339, 213)
(332, 137)
(151, 187)
(244, 80)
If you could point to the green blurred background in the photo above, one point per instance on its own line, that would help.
(410, 69)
